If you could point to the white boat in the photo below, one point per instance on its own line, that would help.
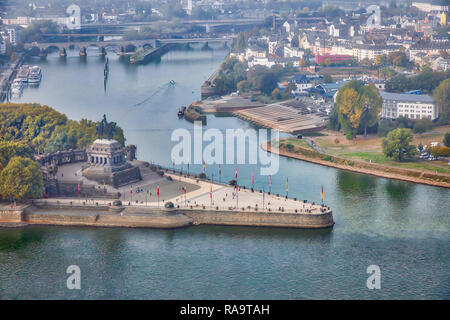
(35, 75)
(17, 86)
(23, 73)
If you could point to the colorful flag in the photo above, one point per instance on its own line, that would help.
(287, 185)
(235, 174)
(157, 191)
(219, 170)
(185, 190)
(173, 164)
(203, 166)
(131, 190)
(321, 193)
(210, 192)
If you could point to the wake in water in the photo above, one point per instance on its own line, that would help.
(169, 84)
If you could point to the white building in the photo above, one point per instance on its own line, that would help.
(413, 106)
(302, 82)
(12, 36)
(292, 52)
(370, 52)
(255, 51)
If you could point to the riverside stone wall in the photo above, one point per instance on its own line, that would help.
(106, 216)
(235, 218)
(13, 215)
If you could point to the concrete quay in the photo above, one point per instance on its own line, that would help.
(208, 204)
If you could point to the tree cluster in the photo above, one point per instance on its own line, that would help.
(45, 129)
(20, 175)
(426, 81)
(397, 144)
(358, 106)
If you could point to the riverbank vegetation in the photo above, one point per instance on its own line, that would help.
(259, 81)
(370, 149)
(29, 129)
(366, 156)
(20, 175)
(46, 130)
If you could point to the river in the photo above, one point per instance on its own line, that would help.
(401, 227)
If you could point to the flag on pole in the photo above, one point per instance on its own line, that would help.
(203, 166)
(321, 193)
(220, 169)
(185, 190)
(173, 165)
(157, 191)
(131, 190)
(235, 174)
(210, 192)
(287, 185)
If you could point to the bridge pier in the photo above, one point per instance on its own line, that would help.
(43, 53)
(62, 52)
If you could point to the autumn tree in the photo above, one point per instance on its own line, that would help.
(358, 105)
(442, 97)
(447, 139)
(21, 179)
(396, 146)
(9, 150)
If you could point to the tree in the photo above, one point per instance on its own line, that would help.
(21, 179)
(371, 102)
(244, 86)
(396, 146)
(9, 150)
(262, 78)
(240, 44)
(442, 97)
(384, 127)
(358, 105)
(447, 139)
(422, 125)
(37, 29)
(327, 78)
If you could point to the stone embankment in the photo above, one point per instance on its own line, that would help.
(144, 217)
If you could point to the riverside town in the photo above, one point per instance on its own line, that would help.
(225, 150)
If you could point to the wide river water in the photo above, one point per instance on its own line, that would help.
(401, 227)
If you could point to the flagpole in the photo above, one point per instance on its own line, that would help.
(263, 198)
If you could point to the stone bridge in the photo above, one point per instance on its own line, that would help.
(122, 43)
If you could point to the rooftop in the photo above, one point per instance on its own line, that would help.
(406, 97)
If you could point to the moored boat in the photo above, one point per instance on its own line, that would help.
(23, 73)
(35, 75)
(181, 111)
(17, 86)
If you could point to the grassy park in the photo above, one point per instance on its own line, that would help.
(368, 149)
